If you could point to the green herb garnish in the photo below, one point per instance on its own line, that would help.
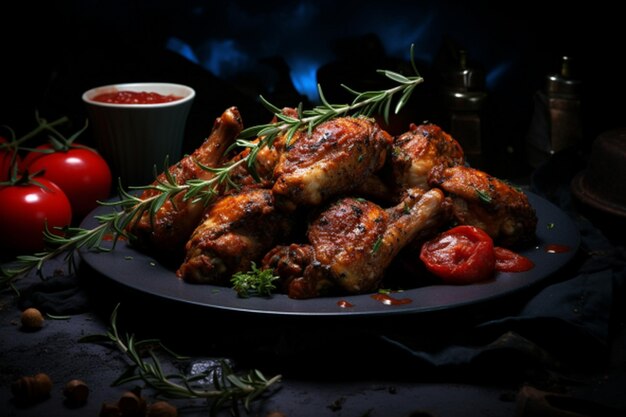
(256, 282)
(483, 196)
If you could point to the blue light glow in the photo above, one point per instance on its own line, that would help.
(495, 75)
(224, 57)
(304, 77)
(180, 47)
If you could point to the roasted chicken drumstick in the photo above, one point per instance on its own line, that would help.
(352, 243)
(166, 231)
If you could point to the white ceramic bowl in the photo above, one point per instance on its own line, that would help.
(136, 139)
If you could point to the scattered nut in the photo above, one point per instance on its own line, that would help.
(109, 410)
(161, 409)
(32, 389)
(131, 404)
(76, 391)
(32, 318)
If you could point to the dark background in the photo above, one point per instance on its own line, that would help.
(231, 52)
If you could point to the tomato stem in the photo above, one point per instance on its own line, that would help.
(42, 125)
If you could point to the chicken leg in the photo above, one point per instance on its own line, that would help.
(352, 243)
(166, 231)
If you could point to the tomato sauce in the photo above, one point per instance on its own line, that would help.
(135, 97)
(388, 300)
(344, 304)
(509, 261)
(556, 248)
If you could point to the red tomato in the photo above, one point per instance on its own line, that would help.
(80, 172)
(24, 211)
(461, 255)
(509, 261)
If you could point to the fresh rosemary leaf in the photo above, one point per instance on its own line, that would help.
(272, 108)
(399, 78)
(377, 244)
(483, 196)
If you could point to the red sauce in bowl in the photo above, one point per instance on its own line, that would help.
(135, 97)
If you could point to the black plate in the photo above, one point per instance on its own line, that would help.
(141, 272)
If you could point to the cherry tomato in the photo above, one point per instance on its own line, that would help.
(25, 209)
(509, 261)
(461, 255)
(80, 172)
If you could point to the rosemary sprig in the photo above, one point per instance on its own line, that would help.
(256, 282)
(364, 103)
(228, 388)
(254, 138)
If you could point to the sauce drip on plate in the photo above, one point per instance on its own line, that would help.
(509, 261)
(388, 300)
(556, 248)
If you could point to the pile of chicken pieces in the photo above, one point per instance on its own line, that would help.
(328, 212)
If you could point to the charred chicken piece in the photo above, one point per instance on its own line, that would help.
(293, 262)
(352, 243)
(334, 158)
(237, 229)
(417, 151)
(169, 228)
(481, 200)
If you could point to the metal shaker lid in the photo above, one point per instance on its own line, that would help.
(463, 78)
(464, 86)
(563, 84)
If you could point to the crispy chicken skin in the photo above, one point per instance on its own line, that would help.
(238, 228)
(352, 243)
(167, 231)
(481, 200)
(335, 158)
(420, 149)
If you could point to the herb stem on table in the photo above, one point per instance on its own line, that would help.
(130, 207)
(227, 386)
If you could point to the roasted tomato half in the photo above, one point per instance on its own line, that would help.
(460, 255)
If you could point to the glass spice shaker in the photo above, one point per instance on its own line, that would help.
(557, 124)
(564, 105)
(463, 101)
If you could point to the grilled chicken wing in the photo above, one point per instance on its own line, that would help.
(169, 228)
(417, 151)
(352, 243)
(481, 200)
(335, 158)
(237, 229)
